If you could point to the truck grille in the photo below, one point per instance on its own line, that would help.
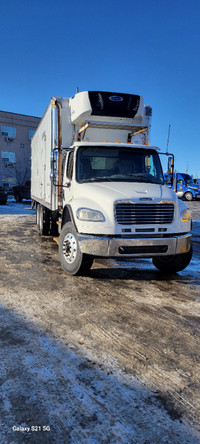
(141, 214)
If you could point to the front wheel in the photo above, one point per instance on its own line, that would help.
(173, 264)
(71, 258)
(188, 196)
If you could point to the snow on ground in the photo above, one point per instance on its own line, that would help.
(77, 400)
(14, 208)
(48, 384)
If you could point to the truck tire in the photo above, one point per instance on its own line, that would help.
(44, 224)
(18, 198)
(3, 202)
(188, 195)
(53, 217)
(173, 264)
(71, 258)
(38, 215)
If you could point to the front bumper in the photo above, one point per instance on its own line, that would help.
(134, 247)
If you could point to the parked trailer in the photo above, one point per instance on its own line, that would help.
(99, 185)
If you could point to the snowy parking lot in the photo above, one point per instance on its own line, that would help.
(14, 208)
(111, 357)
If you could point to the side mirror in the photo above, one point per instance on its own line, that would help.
(170, 165)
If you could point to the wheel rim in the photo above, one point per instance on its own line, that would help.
(69, 248)
(188, 196)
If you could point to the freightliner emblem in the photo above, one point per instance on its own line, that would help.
(116, 98)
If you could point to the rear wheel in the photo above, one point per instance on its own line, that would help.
(46, 220)
(53, 223)
(43, 220)
(18, 197)
(38, 215)
(71, 258)
(173, 264)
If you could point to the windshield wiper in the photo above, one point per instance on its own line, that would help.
(100, 178)
(135, 175)
(94, 179)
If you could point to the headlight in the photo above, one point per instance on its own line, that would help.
(90, 215)
(185, 216)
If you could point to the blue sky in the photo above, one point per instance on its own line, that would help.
(151, 48)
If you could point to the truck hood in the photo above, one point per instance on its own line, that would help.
(101, 197)
(137, 191)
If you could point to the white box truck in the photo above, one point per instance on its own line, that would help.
(98, 184)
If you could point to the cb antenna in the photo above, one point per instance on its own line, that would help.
(168, 139)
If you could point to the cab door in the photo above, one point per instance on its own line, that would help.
(68, 177)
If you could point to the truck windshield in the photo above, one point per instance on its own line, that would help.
(118, 164)
(188, 179)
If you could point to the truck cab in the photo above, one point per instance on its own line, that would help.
(184, 186)
(22, 191)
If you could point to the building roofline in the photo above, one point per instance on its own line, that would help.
(19, 114)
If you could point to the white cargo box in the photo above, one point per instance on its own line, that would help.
(42, 145)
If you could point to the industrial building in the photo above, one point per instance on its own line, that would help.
(16, 131)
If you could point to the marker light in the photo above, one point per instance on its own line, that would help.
(185, 217)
